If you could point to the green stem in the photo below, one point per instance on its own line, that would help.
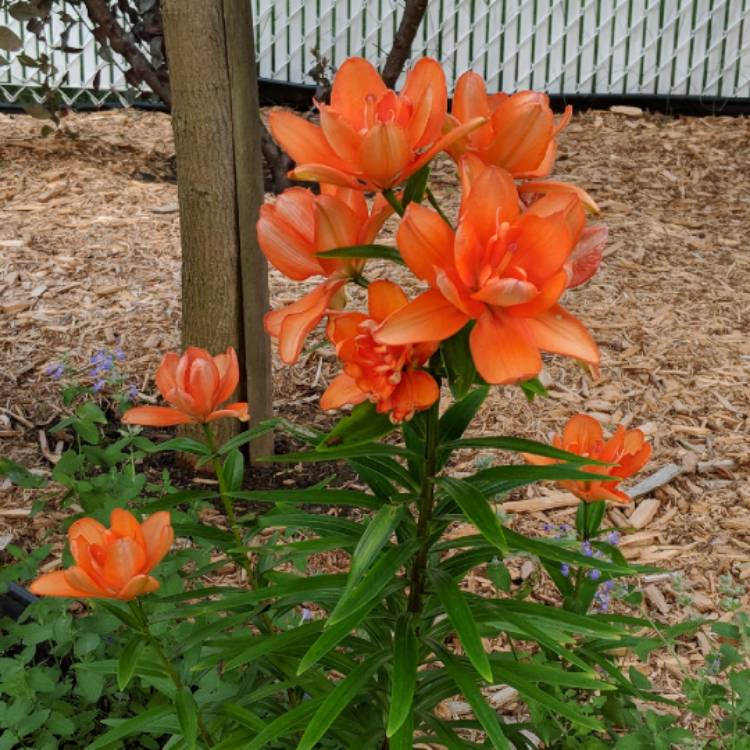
(390, 196)
(228, 507)
(425, 507)
(434, 203)
(137, 609)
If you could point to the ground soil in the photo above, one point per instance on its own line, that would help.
(89, 257)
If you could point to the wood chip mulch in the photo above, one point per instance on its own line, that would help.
(89, 249)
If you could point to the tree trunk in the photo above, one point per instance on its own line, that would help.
(401, 49)
(248, 160)
(217, 192)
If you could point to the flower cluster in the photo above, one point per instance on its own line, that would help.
(499, 273)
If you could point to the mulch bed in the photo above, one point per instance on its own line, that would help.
(89, 241)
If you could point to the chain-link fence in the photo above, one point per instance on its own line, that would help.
(642, 47)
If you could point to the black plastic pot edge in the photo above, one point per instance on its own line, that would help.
(14, 601)
(300, 96)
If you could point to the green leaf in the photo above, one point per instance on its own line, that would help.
(274, 643)
(142, 722)
(338, 699)
(91, 412)
(477, 509)
(415, 186)
(458, 416)
(385, 252)
(121, 614)
(335, 454)
(467, 685)
(404, 680)
(376, 535)
(247, 436)
(521, 445)
(183, 445)
(187, 715)
(380, 575)
(589, 518)
(234, 470)
(499, 575)
(528, 473)
(463, 622)
(128, 660)
(556, 706)
(312, 496)
(458, 362)
(19, 475)
(330, 638)
(87, 431)
(532, 388)
(286, 724)
(361, 426)
(9, 40)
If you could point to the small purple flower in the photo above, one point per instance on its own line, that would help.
(595, 574)
(132, 392)
(99, 385)
(119, 354)
(306, 614)
(587, 549)
(55, 370)
(565, 569)
(613, 538)
(608, 586)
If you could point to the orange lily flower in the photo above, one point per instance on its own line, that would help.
(196, 384)
(519, 135)
(627, 450)
(370, 138)
(292, 231)
(390, 376)
(548, 197)
(111, 563)
(501, 268)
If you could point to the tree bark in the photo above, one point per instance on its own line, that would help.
(207, 106)
(248, 160)
(407, 30)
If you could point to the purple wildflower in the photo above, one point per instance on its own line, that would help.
(565, 569)
(613, 538)
(587, 549)
(99, 385)
(119, 354)
(595, 574)
(132, 392)
(55, 370)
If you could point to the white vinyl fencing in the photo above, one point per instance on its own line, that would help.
(664, 47)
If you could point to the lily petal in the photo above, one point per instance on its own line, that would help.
(428, 317)
(425, 241)
(342, 390)
(156, 416)
(502, 349)
(557, 331)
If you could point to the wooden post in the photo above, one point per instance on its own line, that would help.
(214, 117)
(248, 160)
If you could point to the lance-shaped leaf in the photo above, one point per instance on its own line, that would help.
(338, 699)
(477, 509)
(462, 620)
(467, 685)
(404, 680)
(384, 252)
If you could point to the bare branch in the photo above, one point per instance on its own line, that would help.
(107, 28)
(407, 31)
